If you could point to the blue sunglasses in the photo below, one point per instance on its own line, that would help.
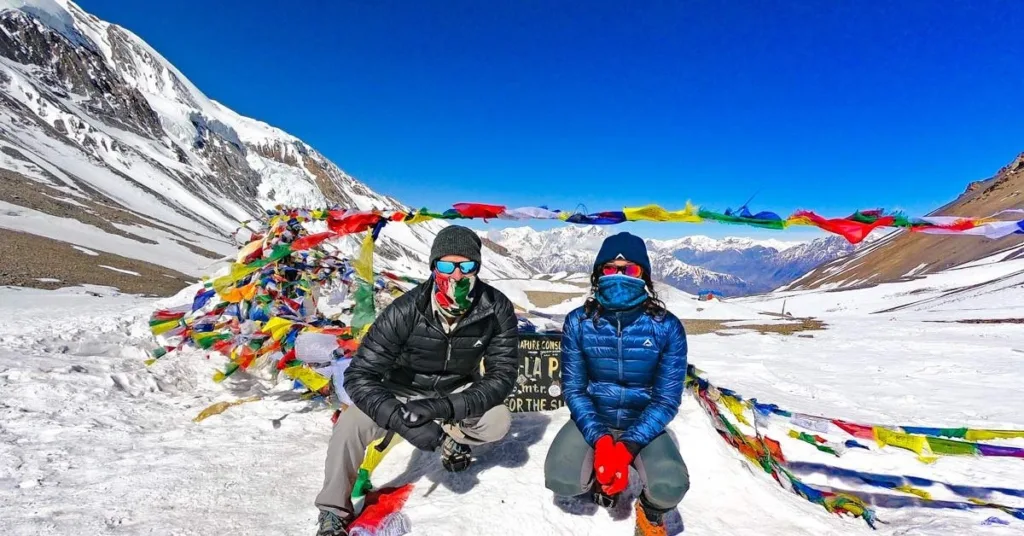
(448, 267)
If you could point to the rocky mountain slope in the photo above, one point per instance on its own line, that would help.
(107, 146)
(905, 255)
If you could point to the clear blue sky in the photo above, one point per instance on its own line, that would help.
(829, 105)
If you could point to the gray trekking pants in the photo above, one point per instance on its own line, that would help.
(569, 468)
(354, 431)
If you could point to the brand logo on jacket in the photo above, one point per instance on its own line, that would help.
(478, 343)
(648, 343)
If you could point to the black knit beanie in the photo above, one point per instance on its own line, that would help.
(456, 240)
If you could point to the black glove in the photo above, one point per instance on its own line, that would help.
(426, 436)
(420, 412)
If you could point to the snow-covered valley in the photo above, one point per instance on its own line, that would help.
(93, 441)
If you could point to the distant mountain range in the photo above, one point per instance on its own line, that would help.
(732, 266)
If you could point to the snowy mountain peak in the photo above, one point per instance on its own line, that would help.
(105, 144)
(706, 243)
(52, 13)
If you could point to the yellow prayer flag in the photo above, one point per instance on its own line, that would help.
(689, 214)
(364, 264)
(373, 456)
(914, 443)
(915, 491)
(417, 217)
(736, 407)
(219, 407)
(988, 435)
(277, 327)
(164, 327)
(313, 380)
(238, 271)
(249, 249)
(222, 284)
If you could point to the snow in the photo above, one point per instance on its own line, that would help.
(516, 290)
(129, 272)
(69, 201)
(92, 440)
(916, 269)
(50, 12)
(165, 253)
(706, 243)
(998, 295)
(290, 186)
(683, 305)
(47, 280)
(86, 251)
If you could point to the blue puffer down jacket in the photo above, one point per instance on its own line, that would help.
(625, 374)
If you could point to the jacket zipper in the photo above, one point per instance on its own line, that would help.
(618, 333)
(622, 390)
(448, 351)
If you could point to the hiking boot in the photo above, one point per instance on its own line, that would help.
(601, 499)
(331, 524)
(455, 456)
(650, 521)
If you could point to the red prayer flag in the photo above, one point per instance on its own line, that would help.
(355, 222)
(310, 241)
(283, 362)
(962, 224)
(479, 210)
(223, 347)
(854, 429)
(853, 231)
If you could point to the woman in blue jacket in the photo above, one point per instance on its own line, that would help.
(623, 370)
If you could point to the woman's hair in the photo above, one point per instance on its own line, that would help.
(652, 305)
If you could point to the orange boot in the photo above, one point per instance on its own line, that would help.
(649, 520)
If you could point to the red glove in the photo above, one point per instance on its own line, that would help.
(611, 464)
(621, 459)
(603, 451)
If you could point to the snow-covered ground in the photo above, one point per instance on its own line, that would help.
(990, 288)
(92, 441)
(574, 289)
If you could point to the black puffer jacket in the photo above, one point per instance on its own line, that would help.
(407, 350)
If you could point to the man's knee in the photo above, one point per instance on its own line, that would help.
(355, 426)
(492, 426)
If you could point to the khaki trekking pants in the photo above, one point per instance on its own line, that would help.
(354, 431)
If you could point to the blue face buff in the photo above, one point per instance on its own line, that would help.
(620, 292)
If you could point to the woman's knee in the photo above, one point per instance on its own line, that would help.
(668, 483)
(563, 484)
(566, 467)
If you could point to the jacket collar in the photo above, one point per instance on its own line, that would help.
(483, 304)
(626, 317)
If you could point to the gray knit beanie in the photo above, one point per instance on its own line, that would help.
(456, 240)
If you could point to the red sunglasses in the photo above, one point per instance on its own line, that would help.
(631, 270)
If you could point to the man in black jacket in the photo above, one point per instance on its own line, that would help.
(418, 373)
